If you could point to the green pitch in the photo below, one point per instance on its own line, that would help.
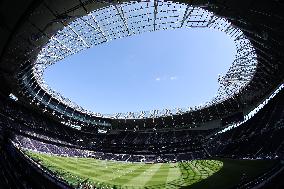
(113, 174)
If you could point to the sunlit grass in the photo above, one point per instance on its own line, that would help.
(109, 174)
(195, 174)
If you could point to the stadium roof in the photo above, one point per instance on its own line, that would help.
(40, 39)
(132, 18)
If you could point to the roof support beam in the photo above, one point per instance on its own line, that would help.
(187, 13)
(155, 13)
(97, 27)
(80, 37)
(123, 18)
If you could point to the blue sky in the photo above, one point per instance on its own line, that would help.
(162, 69)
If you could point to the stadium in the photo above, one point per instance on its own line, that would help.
(235, 140)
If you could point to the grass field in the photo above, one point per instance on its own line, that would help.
(112, 174)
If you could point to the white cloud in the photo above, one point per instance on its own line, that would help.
(164, 78)
(173, 78)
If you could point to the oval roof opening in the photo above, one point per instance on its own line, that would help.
(157, 70)
(128, 65)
